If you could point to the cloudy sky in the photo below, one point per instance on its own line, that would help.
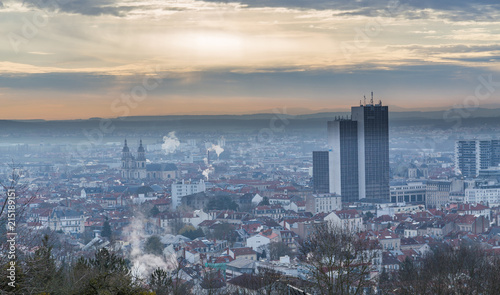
(62, 59)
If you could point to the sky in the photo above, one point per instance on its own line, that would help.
(70, 59)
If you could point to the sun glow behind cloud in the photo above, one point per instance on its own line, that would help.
(127, 39)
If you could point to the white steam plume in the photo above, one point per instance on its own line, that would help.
(170, 143)
(207, 171)
(144, 264)
(216, 148)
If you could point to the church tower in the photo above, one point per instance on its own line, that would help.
(127, 163)
(141, 161)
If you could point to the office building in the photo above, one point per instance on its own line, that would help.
(321, 178)
(359, 153)
(471, 156)
(408, 192)
(373, 150)
(343, 161)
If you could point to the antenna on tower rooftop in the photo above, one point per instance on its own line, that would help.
(365, 98)
(371, 101)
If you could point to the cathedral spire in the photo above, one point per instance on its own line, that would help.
(141, 153)
(125, 147)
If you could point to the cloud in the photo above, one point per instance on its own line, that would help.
(373, 4)
(57, 81)
(459, 10)
(84, 7)
(119, 8)
(483, 59)
(277, 83)
(455, 9)
(460, 48)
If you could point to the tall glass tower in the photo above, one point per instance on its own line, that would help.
(343, 162)
(373, 150)
(359, 153)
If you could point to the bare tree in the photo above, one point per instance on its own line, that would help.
(339, 261)
(466, 270)
(12, 213)
(278, 249)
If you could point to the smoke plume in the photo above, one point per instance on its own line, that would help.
(217, 149)
(144, 264)
(170, 143)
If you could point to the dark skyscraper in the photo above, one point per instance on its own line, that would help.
(343, 142)
(373, 150)
(321, 176)
(359, 154)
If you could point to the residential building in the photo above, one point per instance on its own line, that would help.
(245, 252)
(484, 195)
(389, 240)
(471, 156)
(67, 220)
(346, 219)
(258, 241)
(323, 203)
(437, 193)
(275, 212)
(185, 188)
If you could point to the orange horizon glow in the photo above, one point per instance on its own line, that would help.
(55, 110)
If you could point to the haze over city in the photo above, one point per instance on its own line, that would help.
(212, 147)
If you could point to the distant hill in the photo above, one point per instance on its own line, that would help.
(238, 123)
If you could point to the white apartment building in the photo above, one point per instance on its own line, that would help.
(490, 196)
(323, 203)
(185, 188)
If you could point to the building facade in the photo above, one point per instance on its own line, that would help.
(359, 153)
(437, 193)
(408, 192)
(323, 203)
(373, 150)
(185, 188)
(343, 163)
(321, 177)
(472, 156)
(136, 168)
(489, 195)
(69, 221)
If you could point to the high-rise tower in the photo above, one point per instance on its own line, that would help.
(321, 178)
(472, 156)
(343, 160)
(373, 150)
(359, 153)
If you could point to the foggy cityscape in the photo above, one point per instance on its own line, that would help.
(251, 147)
